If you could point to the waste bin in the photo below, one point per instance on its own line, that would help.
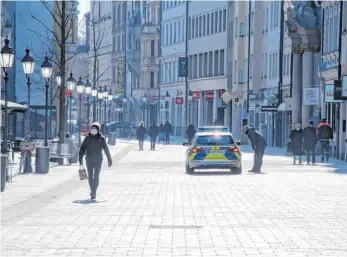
(112, 138)
(3, 172)
(42, 160)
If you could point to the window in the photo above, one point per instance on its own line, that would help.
(123, 42)
(224, 19)
(210, 64)
(167, 34)
(189, 28)
(267, 19)
(200, 26)
(196, 27)
(152, 79)
(242, 30)
(265, 75)
(245, 31)
(284, 73)
(179, 31)
(195, 75)
(208, 24)
(200, 65)
(236, 26)
(215, 63)
(221, 63)
(190, 64)
(204, 25)
(220, 20)
(272, 16)
(152, 48)
(118, 43)
(183, 29)
(252, 22)
(114, 44)
(205, 65)
(214, 140)
(235, 69)
(216, 21)
(241, 80)
(174, 67)
(212, 22)
(114, 74)
(230, 38)
(251, 67)
(174, 33)
(193, 28)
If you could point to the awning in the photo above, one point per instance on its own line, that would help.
(13, 107)
(286, 106)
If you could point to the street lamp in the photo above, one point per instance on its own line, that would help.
(46, 69)
(28, 63)
(6, 61)
(100, 97)
(190, 98)
(105, 108)
(80, 89)
(58, 79)
(167, 99)
(110, 98)
(88, 90)
(144, 104)
(71, 83)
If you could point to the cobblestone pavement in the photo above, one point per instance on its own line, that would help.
(148, 206)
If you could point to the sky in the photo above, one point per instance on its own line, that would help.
(84, 8)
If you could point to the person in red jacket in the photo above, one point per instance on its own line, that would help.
(324, 134)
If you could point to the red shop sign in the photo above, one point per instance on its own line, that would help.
(179, 100)
(179, 92)
(68, 92)
(209, 96)
(196, 94)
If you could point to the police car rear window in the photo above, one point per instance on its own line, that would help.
(214, 140)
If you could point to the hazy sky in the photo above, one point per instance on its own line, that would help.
(84, 7)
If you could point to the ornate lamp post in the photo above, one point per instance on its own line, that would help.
(6, 61)
(167, 99)
(28, 63)
(190, 98)
(71, 83)
(109, 99)
(125, 100)
(80, 90)
(100, 97)
(105, 107)
(144, 104)
(88, 91)
(46, 69)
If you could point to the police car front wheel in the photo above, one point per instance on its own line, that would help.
(189, 170)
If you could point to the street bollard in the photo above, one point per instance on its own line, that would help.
(112, 138)
(3, 171)
(42, 160)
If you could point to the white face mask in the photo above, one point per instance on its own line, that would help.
(297, 128)
(94, 131)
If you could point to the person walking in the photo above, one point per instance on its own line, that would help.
(140, 133)
(153, 134)
(297, 137)
(259, 144)
(161, 133)
(310, 141)
(190, 133)
(168, 131)
(324, 134)
(92, 147)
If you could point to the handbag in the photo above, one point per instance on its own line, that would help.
(82, 173)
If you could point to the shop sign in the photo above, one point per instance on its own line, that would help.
(68, 92)
(265, 108)
(179, 100)
(209, 96)
(311, 96)
(195, 95)
(329, 94)
(121, 70)
(179, 92)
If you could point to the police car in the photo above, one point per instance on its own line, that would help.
(213, 150)
(212, 129)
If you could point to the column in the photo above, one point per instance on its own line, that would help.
(307, 81)
(215, 95)
(201, 109)
(297, 89)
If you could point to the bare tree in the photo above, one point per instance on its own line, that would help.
(64, 15)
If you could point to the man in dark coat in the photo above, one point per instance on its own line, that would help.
(310, 141)
(168, 131)
(190, 132)
(161, 133)
(153, 133)
(140, 133)
(324, 134)
(259, 144)
(297, 138)
(92, 147)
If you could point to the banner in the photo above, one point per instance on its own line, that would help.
(311, 96)
(329, 94)
(179, 100)
(182, 67)
(121, 71)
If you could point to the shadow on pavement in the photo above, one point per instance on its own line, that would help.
(211, 173)
(88, 201)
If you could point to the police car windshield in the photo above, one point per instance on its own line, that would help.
(214, 140)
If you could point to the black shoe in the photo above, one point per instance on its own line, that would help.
(93, 196)
(251, 170)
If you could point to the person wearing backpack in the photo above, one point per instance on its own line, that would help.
(93, 145)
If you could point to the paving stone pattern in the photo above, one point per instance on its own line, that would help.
(148, 206)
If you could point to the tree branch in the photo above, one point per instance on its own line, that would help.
(39, 21)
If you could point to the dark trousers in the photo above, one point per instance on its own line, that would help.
(93, 169)
(190, 140)
(153, 141)
(141, 144)
(167, 138)
(325, 148)
(311, 151)
(258, 159)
